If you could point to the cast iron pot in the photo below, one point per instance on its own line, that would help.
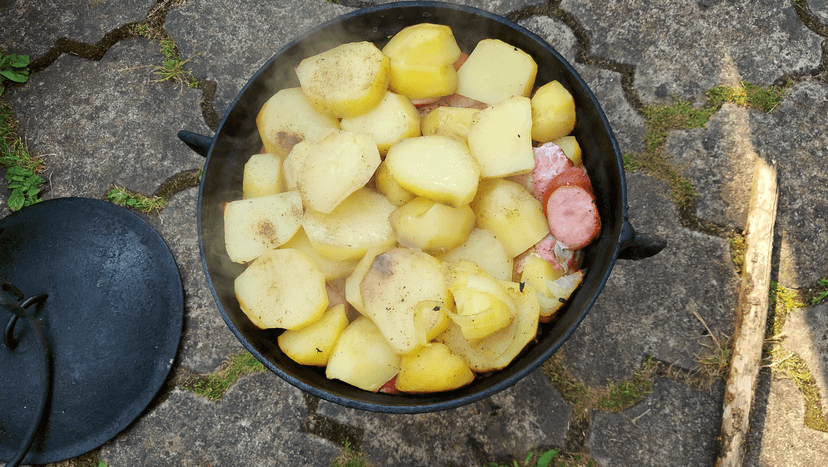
(237, 139)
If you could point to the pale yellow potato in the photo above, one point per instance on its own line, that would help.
(553, 112)
(431, 316)
(497, 350)
(393, 119)
(262, 176)
(347, 80)
(388, 186)
(335, 167)
(496, 71)
(449, 121)
(362, 357)
(331, 268)
(436, 167)
(398, 280)
(432, 227)
(282, 289)
(288, 118)
(314, 343)
(500, 138)
(420, 81)
(257, 225)
(424, 43)
(558, 292)
(432, 369)
(293, 163)
(357, 224)
(537, 272)
(570, 147)
(486, 250)
(482, 306)
(352, 292)
(511, 213)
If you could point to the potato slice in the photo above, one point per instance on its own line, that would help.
(288, 118)
(282, 289)
(424, 43)
(449, 121)
(398, 280)
(431, 316)
(254, 226)
(262, 176)
(393, 119)
(432, 369)
(314, 343)
(537, 272)
(500, 138)
(352, 292)
(432, 227)
(388, 186)
(511, 213)
(437, 167)
(570, 147)
(334, 167)
(496, 71)
(421, 81)
(486, 250)
(332, 269)
(358, 223)
(362, 357)
(553, 112)
(347, 80)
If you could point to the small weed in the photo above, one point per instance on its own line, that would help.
(821, 295)
(350, 458)
(748, 95)
(173, 68)
(625, 394)
(13, 68)
(737, 251)
(214, 385)
(22, 168)
(544, 460)
(125, 198)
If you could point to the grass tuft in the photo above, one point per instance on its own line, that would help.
(350, 458)
(748, 95)
(123, 197)
(214, 385)
(173, 68)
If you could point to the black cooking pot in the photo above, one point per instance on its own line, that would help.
(237, 138)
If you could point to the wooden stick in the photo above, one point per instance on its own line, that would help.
(751, 316)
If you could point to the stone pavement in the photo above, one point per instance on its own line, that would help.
(98, 114)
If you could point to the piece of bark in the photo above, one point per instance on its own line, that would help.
(751, 317)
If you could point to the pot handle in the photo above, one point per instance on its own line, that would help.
(11, 301)
(636, 245)
(198, 143)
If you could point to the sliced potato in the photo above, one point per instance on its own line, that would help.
(398, 280)
(437, 167)
(362, 357)
(332, 269)
(388, 186)
(511, 213)
(570, 147)
(448, 121)
(486, 250)
(254, 226)
(432, 369)
(421, 81)
(496, 71)
(347, 80)
(334, 167)
(358, 223)
(262, 176)
(424, 43)
(432, 227)
(393, 119)
(314, 343)
(500, 138)
(288, 118)
(553, 112)
(352, 292)
(431, 316)
(282, 289)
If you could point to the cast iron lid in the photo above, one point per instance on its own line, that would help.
(105, 292)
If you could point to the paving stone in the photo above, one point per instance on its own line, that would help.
(107, 122)
(778, 435)
(674, 426)
(819, 8)
(227, 41)
(683, 49)
(206, 340)
(806, 334)
(258, 423)
(646, 308)
(37, 25)
(507, 425)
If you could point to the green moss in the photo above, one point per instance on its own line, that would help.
(350, 457)
(737, 251)
(214, 385)
(748, 95)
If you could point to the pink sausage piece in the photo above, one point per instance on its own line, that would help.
(573, 216)
(550, 161)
